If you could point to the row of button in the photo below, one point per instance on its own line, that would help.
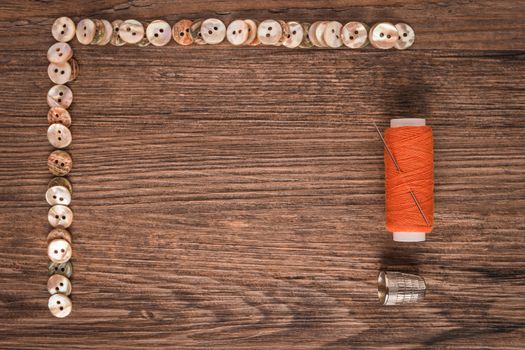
(329, 34)
(62, 69)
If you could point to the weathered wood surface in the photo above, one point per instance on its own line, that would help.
(233, 198)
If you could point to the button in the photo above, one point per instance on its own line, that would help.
(144, 41)
(60, 215)
(332, 34)
(319, 33)
(383, 36)
(59, 53)
(252, 39)
(355, 35)
(181, 32)
(63, 29)
(406, 36)
(64, 269)
(195, 32)
(285, 32)
(60, 305)
(59, 163)
(131, 31)
(158, 33)
(59, 115)
(311, 34)
(213, 31)
(237, 32)
(58, 195)
(61, 181)
(116, 40)
(269, 32)
(59, 96)
(86, 30)
(60, 73)
(306, 43)
(59, 251)
(59, 284)
(59, 135)
(295, 36)
(59, 233)
(100, 32)
(108, 33)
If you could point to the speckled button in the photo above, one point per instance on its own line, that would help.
(158, 33)
(383, 36)
(295, 36)
(195, 32)
(116, 40)
(64, 269)
(59, 115)
(59, 284)
(332, 34)
(60, 305)
(406, 36)
(100, 32)
(213, 31)
(355, 35)
(252, 39)
(306, 43)
(59, 163)
(58, 195)
(60, 181)
(181, 32)
(59, 251)
(270, 32)
(59, 96)
(237, 32)
(63, 29)
(59, 53)
(59, 233)
(108, 33)
(86, 30)
(131, 31)
(60, 215)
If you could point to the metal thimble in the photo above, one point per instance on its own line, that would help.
(394, 288)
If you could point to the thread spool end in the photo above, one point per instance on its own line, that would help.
(409, 236)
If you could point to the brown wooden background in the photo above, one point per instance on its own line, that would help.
(232, 198)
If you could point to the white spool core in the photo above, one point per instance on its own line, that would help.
(408, 236)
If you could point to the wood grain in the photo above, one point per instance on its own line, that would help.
(232, 198)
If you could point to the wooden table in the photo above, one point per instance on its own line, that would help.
(232, 198)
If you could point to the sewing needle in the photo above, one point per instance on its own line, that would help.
(399, 170)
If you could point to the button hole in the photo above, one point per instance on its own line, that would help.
(63, 218)
(381, 35)
(161, 30)
(210, 32)
(58, 302)
(61, 93)
(57, 289)
(181, 33)
(61, 164)
(61, 308)
(61, 284)
(215, 28)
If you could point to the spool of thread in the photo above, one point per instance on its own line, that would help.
(410, 189)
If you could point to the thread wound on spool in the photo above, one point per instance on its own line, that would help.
(412, 147)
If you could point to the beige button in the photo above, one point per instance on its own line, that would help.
(195, 32)
(306, 43)
(270, 32)
(59, 53)
(116, 40)
(59, 284)
(252, 39)
(58, 195)
(59, 163)
(319, 33)
(131, 31)
(108, 33)
(237, 32)
(65, 269)
(332, 34)
(59, 96)
(213, 31)
(59, 73)
(295, 36)
(86, 30)
(60, 215)
(59, 115)
(100, 32)
(383, 36)
(406, 36)
(311, 34)
(181, 32)
(355, 35)
(59, 233)
(59, 135)
(158, 33)
(60, 305)
(144, 41)
(63, 29)
(61, 181)
(59, 251)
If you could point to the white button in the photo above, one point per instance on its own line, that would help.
(60, 305)
(131, 31)
(59, 53)
(383, 36)
(159, 33)
(270, 32)
(86, 30)
(237, 32)
(332, 34)
(406, 36)
(63, 29)
(59, 96)
(295, 36)
(213, 31)
(252, 39)
(59, 284)
(60, 215)
(59, 251)
(108, 33)
(355, 35)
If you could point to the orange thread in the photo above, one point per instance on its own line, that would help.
(412, 147)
